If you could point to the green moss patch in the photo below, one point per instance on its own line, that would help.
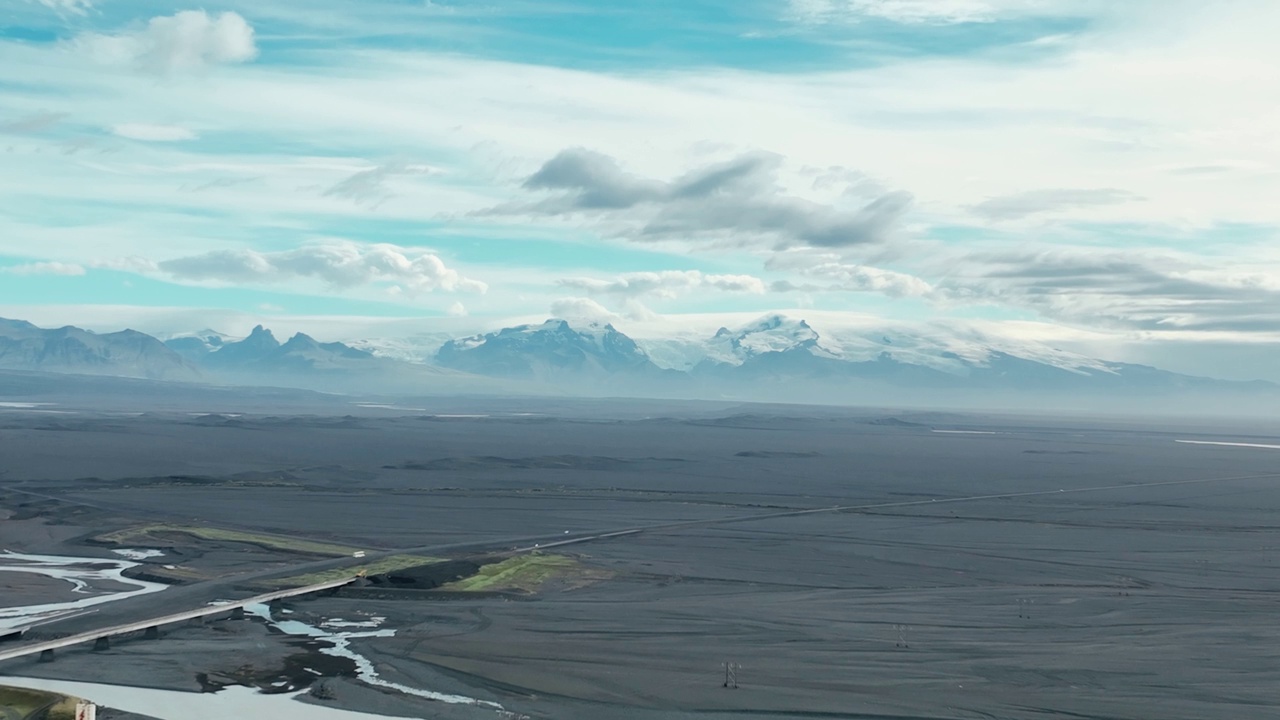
(153, 535)
(524, 573)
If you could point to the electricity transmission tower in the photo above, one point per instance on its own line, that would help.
(731, 674)
(904, 632)
(1024, 607)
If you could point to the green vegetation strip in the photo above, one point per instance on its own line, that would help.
(20, 703)
(385, 565)
(147, 534)
(524, 572)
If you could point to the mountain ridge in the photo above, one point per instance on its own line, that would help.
(775, 358)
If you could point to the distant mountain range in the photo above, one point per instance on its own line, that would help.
(24, 346)
(782, 359)
(776, 358)
(302, 361)
(262, 353)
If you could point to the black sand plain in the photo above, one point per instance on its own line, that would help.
(981, 566)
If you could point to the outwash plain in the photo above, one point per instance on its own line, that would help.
(955, 565)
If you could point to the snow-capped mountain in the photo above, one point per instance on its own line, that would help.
(770, 334)
(551, 349)
(195, 346)
(782, 358)
(778, 357)
(952, 350)
(303, 361)
(787, 349)
(419, 348)
(777, 346)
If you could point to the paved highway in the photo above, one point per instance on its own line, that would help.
(25, 649)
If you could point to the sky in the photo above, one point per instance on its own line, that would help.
(1093, 174)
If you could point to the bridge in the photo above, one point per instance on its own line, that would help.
(151, 627)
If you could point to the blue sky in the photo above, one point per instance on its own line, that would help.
(1097, 175)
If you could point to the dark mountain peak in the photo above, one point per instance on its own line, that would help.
(262, 354)
(301, 341)
(261, 338)
(260, 344)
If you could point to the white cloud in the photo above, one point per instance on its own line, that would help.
(46, 268)
(34, 123)
(1145, 291)
(457, 309)
(667, 284)
(865, 278)
(580, 308)
(834, 273)
(132, 264)
(154, 133)
(74, 7)
(1034, 202)
(912, 12)
(186, 41)
(339, 264)
(369, 187)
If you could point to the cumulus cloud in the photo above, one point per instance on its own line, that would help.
(457, 309)
(739, 201)
(581, 308)
(45, 268)
(32, 123)
(190, 40)
(153, 133)
(666, 284)
(338, 264)
(1017, 207)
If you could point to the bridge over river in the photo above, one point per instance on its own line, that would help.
(151, 626)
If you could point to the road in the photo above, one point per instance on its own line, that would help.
(25, 649)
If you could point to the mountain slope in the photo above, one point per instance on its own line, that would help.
(127, 353)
